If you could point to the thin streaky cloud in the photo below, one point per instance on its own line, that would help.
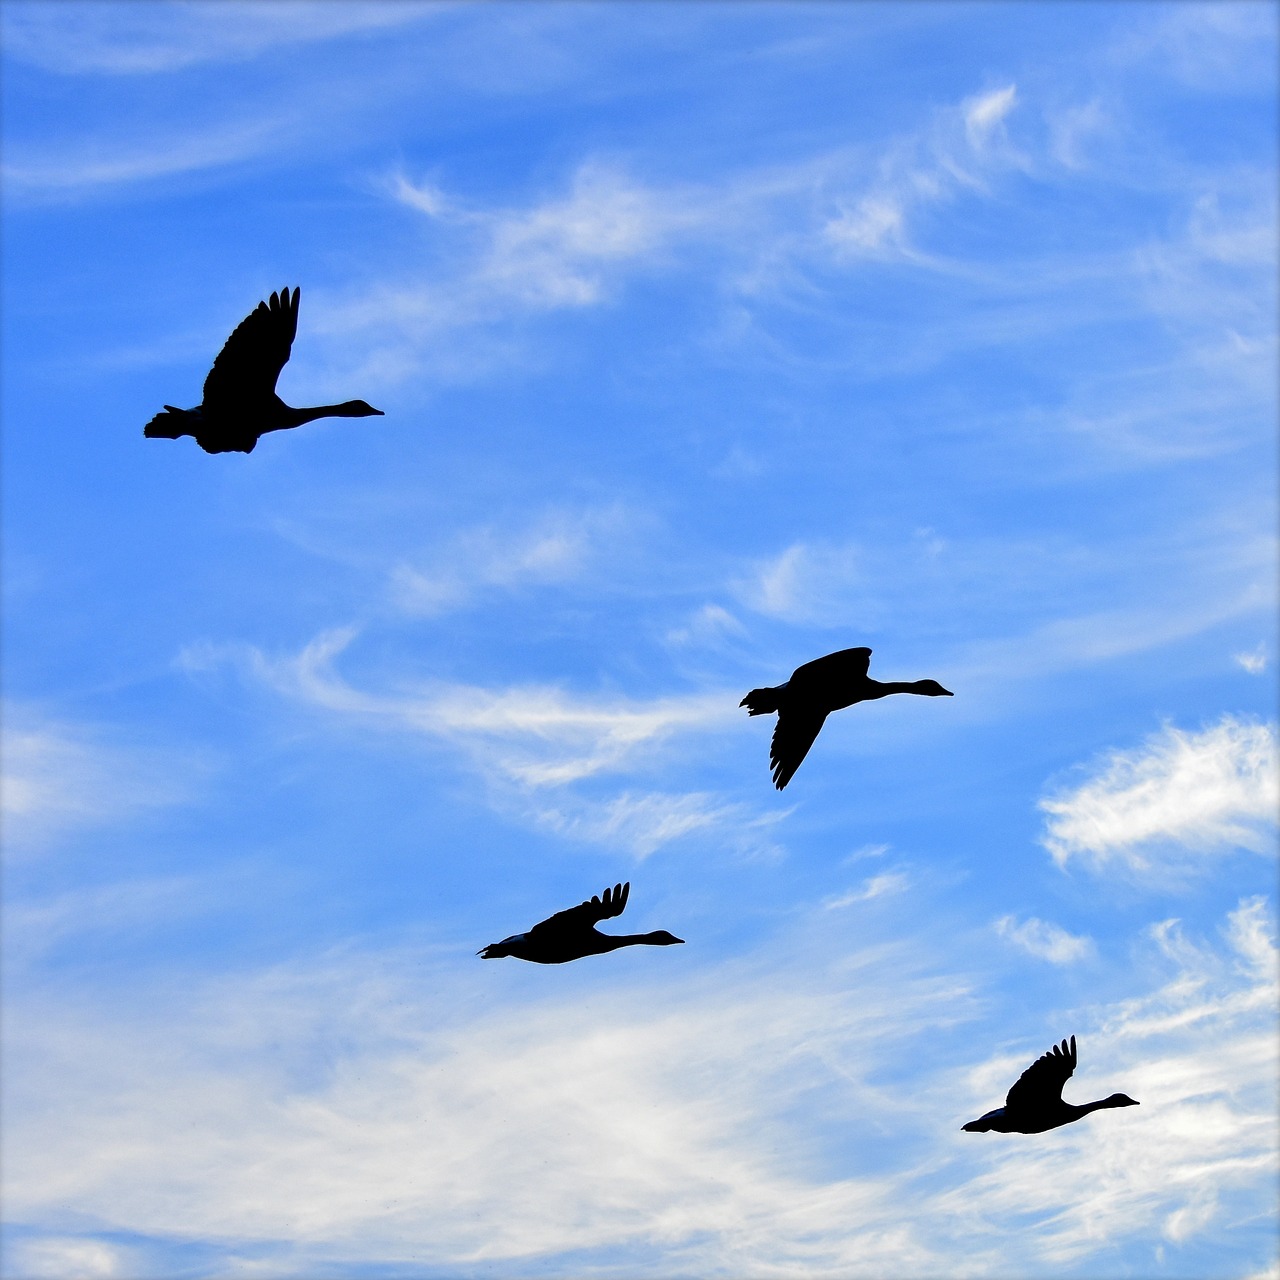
(423, 1138)
(556, 736)
(155, 39)
(1045, 940)
(68, 175)
(888, 882)
(533, 744)
(61, 777)
(556, 548)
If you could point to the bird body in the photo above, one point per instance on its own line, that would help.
(814, 691)
(571, 934)
(1034, 1104)
(240, 403)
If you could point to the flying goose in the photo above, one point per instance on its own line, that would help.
(240, 402)
(571, 934)
(1035, 1103)
(814, 691)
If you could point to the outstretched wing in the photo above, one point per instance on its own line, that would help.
(1042, 1081)
(250, 362)
(847, 664)
(610, 903)
(793, 735)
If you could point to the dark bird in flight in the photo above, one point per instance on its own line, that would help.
(240, 402)
(1035, 1103)
(814, 691)
(571, 934)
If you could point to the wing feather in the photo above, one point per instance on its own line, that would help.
(793, 735)
(1042, 1081)
(603, 906)
(250, 361)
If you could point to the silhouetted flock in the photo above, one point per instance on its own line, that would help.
(240, 405)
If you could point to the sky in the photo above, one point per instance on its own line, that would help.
(710, 338)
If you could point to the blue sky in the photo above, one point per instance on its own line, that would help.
(711, 338)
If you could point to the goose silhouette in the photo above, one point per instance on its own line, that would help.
(1035, 1103)
(571, 934)
(240, 403)
(814, 691)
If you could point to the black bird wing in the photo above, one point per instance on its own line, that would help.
(249, 363)
(845, 665)
(586, 914)
(793, 735)
(1042, 1081)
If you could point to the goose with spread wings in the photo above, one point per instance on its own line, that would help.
(1035, 1103)
(814, 691)
(572, 934)
(240, 403)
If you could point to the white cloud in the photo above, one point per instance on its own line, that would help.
(554, 254)
(643, 822)
(887, 882)
(159, 38)
(526, 741)
(1219, 48)
(865, 851)
(709, 625)
(59, 777)
(875, 223)
(69, 1258)
(984, 114)
(1045, 940)
(576, 250)
(804, 583)
(559, 252)
(556, 549)
(426, 1136)
(157, 157)
(1073, 128)
(340, 1108)
(1180, 793)
(1255, 661)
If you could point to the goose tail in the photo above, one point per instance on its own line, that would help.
(171, 424)
(760, 702)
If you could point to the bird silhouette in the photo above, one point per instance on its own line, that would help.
(571, 934)
(814, 691)
(240, 402)
(1035, 1103)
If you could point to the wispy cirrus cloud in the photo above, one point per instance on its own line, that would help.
(578, 248)
(153, 39)
(527, 741)
(887, 882)
(1045, 940)
(1181, 796)
(59, 777)
(806, 582)
(672, 1108)
(563, 251)
(68, 172)
(554, 549)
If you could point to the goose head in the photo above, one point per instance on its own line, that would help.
(932, 689)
